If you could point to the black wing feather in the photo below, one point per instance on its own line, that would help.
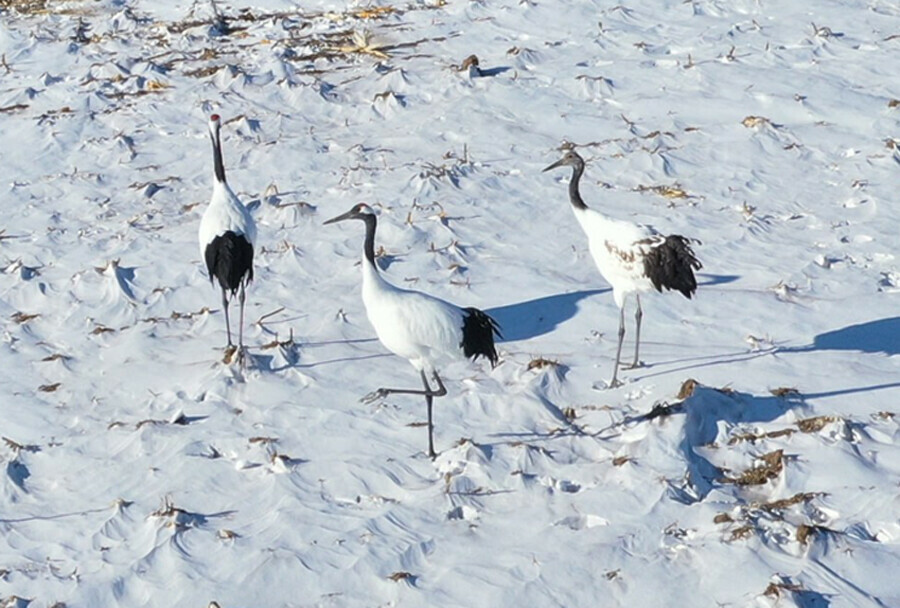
(478, 335)
(229, 258)
(672, 265)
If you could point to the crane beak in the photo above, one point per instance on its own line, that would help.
(558, 163)
(340, 218)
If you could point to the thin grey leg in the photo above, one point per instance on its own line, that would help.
(429, 397)
(638, 315)
(227, 321)
(243, 296)
(615, 382)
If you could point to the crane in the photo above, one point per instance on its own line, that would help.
(423, 329)
(633, 258)
(227, 240)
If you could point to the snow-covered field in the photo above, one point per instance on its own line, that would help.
(140, 470)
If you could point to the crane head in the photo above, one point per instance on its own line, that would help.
(214, 123)
(359, 212)
(569, 159)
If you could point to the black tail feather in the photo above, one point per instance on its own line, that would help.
(672, 265)
(229, 258)
(478, 335)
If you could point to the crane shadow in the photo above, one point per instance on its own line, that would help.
(703, 412)
(532, 318)
(526, 320)
(879, 336)
(703, 361)
(716, 279)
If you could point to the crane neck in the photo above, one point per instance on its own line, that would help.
(369, 245)
(574, 194)
(218, 165)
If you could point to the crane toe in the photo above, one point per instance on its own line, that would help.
(375, 395)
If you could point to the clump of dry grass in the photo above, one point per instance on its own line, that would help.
(815, 424)
(783, 503)
(670, 192)
(26, 7)
(687, 389)
(785, 391)
(776, 590)
(22, 317)
(723, 518)
(771, 465)
(754, 437)
(741, 533)
(541, 363)
(752, 122)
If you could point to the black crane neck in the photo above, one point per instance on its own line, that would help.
(369, 245)
(217, 156)
(574, 194)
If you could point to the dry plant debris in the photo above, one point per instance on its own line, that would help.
(772, 464)
(541, 363)
(776, 590)
(752, 122)
(670, 192)
(816, 424)
(722, 518)
(21, 317)
(687, 389)
(783, 503)
(362, 43)
(754, 437)
(741, 533)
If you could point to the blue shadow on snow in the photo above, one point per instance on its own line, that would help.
(526, 320)
(880, 336)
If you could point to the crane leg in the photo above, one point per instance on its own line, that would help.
(242, 297)
(227, 321)
(429, 395)
(638, 316)
(615, 381)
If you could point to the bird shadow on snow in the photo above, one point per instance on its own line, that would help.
(716, 279)
(526, 320)
(703, 412)
(533, 318)
(289, 358)
(879, 336)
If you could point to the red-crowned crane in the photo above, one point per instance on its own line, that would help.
(423, 329)
(631, 257)
(227, 239)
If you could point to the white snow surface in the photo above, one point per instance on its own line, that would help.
(141, 470)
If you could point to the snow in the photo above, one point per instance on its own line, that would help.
(140, 470)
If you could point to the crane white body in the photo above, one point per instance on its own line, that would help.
(633, 258)
(225, 212)
(424, 330)
(619, 249)
(227, 238)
